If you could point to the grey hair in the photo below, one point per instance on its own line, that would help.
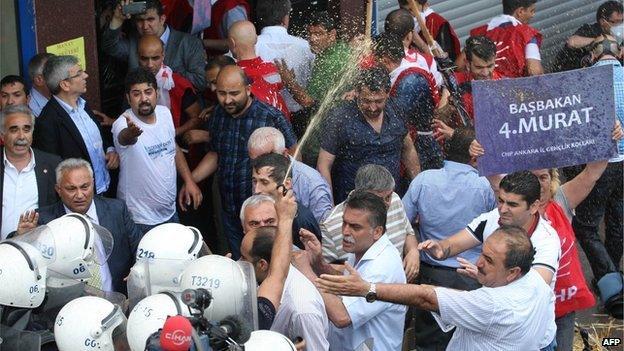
(267, 136)
(374, 178)
(36, 64)
(254, 201)
(56, 70)
(14, 109)
(69, 165)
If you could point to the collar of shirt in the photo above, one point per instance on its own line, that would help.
(91, 212)
(38, 98)
(28, 168)
(459, 166)
(165, 36)
(278, 30)
(607, 62)
(80, 103)
(498, 20)
(376, 249)
(428, 11)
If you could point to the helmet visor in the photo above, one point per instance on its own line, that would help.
(103, 243)
(42, 239)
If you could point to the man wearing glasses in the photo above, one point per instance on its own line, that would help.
(67, 126)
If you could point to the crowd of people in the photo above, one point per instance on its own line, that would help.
(376, 222)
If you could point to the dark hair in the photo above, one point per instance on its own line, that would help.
(458, 145)
(278, 162)
(608, 8)
(323, 19)
(480, 46)
(375, 79)
(12, 79)
(140, 75)
(523, 183)
(219, 61)
(509, 6)
(271, 12)
(367, 201)
(520, 252)
(406, 3)
(35, 65)
(389, 45)
(156, 5)
(262, 245)
(400, 22)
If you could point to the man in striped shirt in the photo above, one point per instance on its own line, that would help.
(379, 181)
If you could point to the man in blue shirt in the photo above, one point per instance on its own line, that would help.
(441, 202)
(233, 120)
(67, 127)
(366, 131)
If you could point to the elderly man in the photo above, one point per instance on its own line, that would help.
(39, 93)
(301, 312)
(74, 184)
(26, 174)
(184, 53)
(145, 138)
(67, 127)
(377, 180)
(311, 189)
(375, 258)
(234, 119)
(13, 91)
(365, 131)
(174, 91)
(518, 205)
(270, 177)
(511, 312)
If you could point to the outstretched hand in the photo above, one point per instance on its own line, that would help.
(346, 285)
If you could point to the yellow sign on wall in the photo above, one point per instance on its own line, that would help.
(74, 47)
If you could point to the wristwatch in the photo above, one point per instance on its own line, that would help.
(371, 296)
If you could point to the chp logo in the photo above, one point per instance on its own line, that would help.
(178, 337)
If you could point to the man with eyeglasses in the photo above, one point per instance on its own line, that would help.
(367, 130)
(67, 126)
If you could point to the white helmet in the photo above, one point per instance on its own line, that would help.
(22, 275)
(76, 252)
(89, 323)
(265, 339)
(150, 314)
(231, 284)
(160, 260)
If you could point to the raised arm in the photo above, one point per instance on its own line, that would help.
(272, 287)
(451, 246)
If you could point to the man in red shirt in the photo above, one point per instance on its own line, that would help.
(517, 43)
(266, 83)
(480, 65)
(224, 13)
(174, 91)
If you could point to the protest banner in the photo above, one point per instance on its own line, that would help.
(74, 47)
(548, 121)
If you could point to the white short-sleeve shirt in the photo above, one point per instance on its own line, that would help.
(147, 170)
(516, 316)
(302, 312)
(382, 321)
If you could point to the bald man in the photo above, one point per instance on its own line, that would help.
(174, 91)
(266, 83)
(236, 116)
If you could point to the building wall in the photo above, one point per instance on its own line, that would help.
(9, 49)
(556, 19)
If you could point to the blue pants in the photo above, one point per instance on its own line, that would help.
(233, 232)
(147, 227)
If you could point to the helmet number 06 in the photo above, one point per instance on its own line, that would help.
(205, 282)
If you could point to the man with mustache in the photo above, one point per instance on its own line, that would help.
(26, 174)
(145, 138)
(368, 130)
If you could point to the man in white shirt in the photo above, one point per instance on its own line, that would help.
(376, 259)
(39, 93)
(26, 174)
(518, 205)
(145, 138)
(301, 312)
(511, 312)
(274, 43)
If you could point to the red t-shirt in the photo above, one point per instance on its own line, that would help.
(510, 44)
(266, 83)
(465, 88)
